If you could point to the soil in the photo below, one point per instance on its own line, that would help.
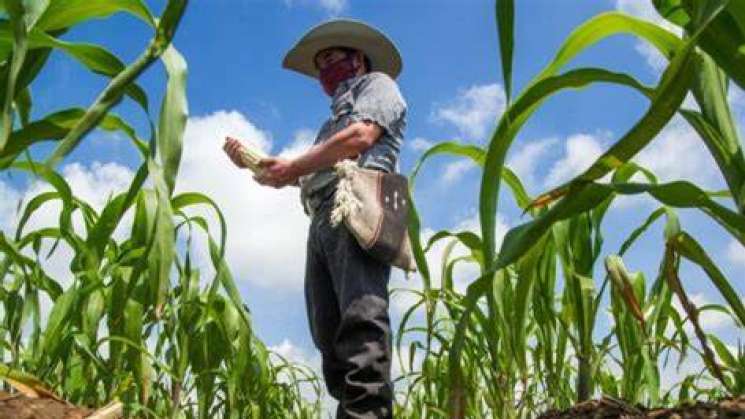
(615, 409)
(21, 407)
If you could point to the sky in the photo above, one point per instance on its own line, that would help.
(452, 83)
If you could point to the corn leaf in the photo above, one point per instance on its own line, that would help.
(173, 115)
(111, 95)
(56, 126)
(61, 14)
(17, 12)
(505, 10)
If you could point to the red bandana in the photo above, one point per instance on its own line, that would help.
(336, 73)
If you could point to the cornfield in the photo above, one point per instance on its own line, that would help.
(140, 324)
(522, 339)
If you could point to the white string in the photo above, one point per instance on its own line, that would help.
(345, 202)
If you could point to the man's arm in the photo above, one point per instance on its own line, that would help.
(347, 143)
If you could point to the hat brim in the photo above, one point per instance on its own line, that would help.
(381, 51)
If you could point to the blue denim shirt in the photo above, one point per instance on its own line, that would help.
(371, 97)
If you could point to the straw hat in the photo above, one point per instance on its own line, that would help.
(381, 51)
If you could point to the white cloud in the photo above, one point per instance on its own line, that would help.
(332, 7)
(581, 150)
(645, 10)
(8, 205)
(97, 183)
(736, 253)
(709, 320)
(303, 139)
(454, 171)
(267, 228)
(736, 98)
(528, 157)
(679, 153)
(293, 353)
(420, 144)
(473, 111)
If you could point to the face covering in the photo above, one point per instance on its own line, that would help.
(336, 73)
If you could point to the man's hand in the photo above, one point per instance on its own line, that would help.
(277, 172)
(233, 148)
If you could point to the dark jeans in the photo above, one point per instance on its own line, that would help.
(346, 293)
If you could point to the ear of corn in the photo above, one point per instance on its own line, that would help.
(252, 156)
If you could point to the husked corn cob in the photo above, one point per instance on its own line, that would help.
(252, 155)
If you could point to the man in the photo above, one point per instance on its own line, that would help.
(346, 289)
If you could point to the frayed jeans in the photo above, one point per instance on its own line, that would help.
(346, 293)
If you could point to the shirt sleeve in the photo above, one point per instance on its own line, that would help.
(379, 100)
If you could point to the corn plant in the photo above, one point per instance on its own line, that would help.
(522, 337)
(138, 322)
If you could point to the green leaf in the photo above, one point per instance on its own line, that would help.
(185, 200)
(34, 10)
(17, 13)
(469, 239)
(673, 11)
(173, 116)
(414, 229)
(169, 21)
(63, 14)
(58, 125)
(717, 127)
(724, 38)
(161, 255)
(34, 204)
(94, 57)
(473, 152)
(683, 194)
(605, 25)
(111, 95)
(111, 216)
(62, 188)
(477, 155)
(667, 98)
(30, 69)
(506, 27)
(57, 322)
(690, 249)
(23, 106)
(513, 119)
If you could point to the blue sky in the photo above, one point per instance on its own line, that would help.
(452, 83)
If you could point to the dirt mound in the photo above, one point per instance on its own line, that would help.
(615, 409)
(22, 407)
